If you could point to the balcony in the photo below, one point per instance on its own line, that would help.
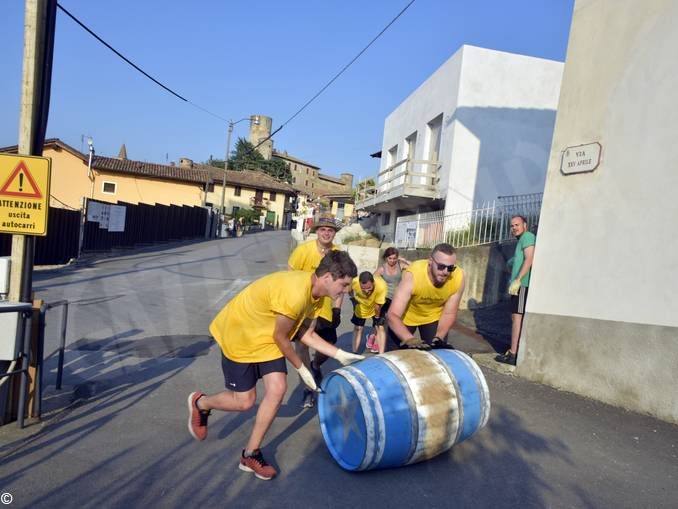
(412, 180)
(259, 203)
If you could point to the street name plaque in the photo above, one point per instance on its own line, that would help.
(581, 158)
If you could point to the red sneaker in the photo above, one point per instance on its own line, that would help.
(197, 419)
(371, 340)
(257, 464)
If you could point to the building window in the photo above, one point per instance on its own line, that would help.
(108, 187)
(235, 210)
(434, 128)
(307, 183)
(411, 146)
(294, 179)
(385, 218)
(238, 191)
(392, 156)
(271, 196)
(210, 187)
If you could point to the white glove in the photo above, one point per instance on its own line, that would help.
(514, 287)
(347, 358)
(307, 378)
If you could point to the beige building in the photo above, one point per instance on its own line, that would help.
(119, 179)
(327, 194)
(304, 175)
(257, 190)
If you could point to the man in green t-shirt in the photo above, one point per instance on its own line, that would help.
(520, 281)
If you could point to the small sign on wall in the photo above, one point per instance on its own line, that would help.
(581, 158)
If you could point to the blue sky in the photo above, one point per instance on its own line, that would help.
(237, 58)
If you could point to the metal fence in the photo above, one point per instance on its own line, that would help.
(484, 225)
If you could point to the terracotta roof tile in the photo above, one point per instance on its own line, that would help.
(162, 171)
(249, 178)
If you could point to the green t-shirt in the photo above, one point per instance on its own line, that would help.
(527, 239)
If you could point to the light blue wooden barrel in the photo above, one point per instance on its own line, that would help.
(401, 407)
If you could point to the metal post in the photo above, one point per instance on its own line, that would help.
(25, 358)
(223, 183)
(39, 361)
(62, 346)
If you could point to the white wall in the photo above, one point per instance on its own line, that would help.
(607, 247)
(498, 114)
(602, 313)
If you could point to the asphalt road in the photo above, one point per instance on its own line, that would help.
(116, 436)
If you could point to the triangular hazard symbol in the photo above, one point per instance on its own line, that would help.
(21, 183)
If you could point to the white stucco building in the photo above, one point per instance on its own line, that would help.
(602, 313)
(479, 127)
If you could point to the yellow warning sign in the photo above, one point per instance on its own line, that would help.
(24, 194)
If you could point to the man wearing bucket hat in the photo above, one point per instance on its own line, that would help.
(253, 331)
(427, 299)
(306, 257)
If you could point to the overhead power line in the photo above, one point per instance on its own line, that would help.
(334, 78)
(182, 98)
(175, 94)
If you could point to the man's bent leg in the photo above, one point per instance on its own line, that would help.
(357, 337)
(275, 386)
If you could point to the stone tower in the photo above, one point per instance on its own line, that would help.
(259, 131)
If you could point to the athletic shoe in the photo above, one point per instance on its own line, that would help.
(370, 341)
(309, 399)
(197, 419)
(506, 358)
(257, 464)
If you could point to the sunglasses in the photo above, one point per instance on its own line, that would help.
(442, 266)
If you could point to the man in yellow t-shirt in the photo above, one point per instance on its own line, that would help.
(427, 299)
(369, 294)
(254, 331)
(307, 256)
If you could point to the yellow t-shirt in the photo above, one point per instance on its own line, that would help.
(427, 301)
(366, 304)
(244, 327)
(307, 257)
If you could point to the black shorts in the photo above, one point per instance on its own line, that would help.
(427, 332)
(243, 376)
(518, 301)
(360, 322)
(384, 308)
(324, 329)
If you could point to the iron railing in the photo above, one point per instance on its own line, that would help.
(484, 225)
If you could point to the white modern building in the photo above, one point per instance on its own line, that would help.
(479, 127)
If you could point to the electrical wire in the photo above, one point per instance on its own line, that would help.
(175, 94)
(343, 69)
(64, 204)
(182, 98)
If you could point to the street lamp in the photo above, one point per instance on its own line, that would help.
(254, 119)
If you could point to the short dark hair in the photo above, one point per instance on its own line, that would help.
(445, 248)
(366, 277)
(337, 263)
(390, 251)
(523, 218)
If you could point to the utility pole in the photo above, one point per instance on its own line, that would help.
(35, 89)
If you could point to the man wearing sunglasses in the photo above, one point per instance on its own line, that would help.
(427, 299)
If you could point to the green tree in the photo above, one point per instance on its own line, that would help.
(363, 188)
(245, 157)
